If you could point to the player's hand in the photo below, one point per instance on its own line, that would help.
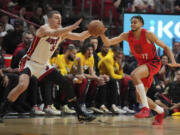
(5, 81)
(173, 65)
(104, 30)
(80, 77)
(76, 24)
(101, 81)
(106, 77)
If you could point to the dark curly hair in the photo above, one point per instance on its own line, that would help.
(139, 18)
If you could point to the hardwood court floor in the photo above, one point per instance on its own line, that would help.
(103, 125)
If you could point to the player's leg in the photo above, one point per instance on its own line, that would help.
(69, 92)
(14, 93)
(151, 103)
(160, 111)
(139, 73)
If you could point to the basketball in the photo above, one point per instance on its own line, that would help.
(95, 28)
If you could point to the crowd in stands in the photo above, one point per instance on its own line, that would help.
(99, 74)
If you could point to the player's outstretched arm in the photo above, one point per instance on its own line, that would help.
(78, 36)
(45, 30)
(152, 37)
(115, 40)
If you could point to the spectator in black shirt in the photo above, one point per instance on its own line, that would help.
(22, 49)
(170, 99)
(37, 18)
(13, 38)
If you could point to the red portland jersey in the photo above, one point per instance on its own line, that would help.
(141, 49)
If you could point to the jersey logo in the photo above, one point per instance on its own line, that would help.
(138, 48)
(52, 41)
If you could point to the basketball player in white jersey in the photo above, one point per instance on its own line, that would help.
(36, 62)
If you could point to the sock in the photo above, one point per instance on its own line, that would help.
(158, 109)
(141, 91)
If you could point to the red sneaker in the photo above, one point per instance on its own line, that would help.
(159, 119)
(144, 113)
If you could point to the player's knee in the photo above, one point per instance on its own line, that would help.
(133, 76)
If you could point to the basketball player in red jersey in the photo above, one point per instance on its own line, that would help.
(142, 46)
(36, 62)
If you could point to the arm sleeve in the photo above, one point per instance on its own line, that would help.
(109, 66)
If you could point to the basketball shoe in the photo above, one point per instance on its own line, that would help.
(160, 117)
(144, 113)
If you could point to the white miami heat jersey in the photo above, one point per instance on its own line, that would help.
(43, 48)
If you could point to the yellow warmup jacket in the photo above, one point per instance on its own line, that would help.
(108, 66)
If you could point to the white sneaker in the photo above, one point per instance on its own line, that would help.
(50, 109)
(125, 108)
(118, 110)
(36, 111)
(86, 110)
(96, 110)
(41, 106)
(105, 109)
(66, 109)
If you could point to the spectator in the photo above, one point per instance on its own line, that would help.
(5, 20)
(104, 52)
(2, 31)
(37, 17)
(32, 29)
(47, 9)
(64, 63)
(111, 65)
(162, 78)
(9, 79)
(163, 6)
(12, 6)
(94, 42)
(21, 49)
(121, 4)
(87, 68)
(13, 38)
(22, 14)
(170, 99)
(144, 5)
(177, 6)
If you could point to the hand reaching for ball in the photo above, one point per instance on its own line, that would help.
(96, 28)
